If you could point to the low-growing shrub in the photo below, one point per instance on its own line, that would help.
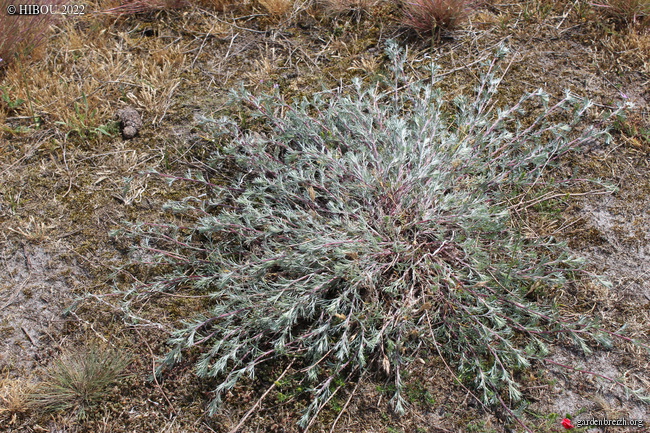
(359, 231)
(430, 16)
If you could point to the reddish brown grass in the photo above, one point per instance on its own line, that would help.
(21, 34)
(431, 16)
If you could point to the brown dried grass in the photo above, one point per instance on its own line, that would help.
(277, 7)
(344, 6)
(14, 398)
(22, 34)
(631, 12)
(53, 91)
(430, 16)
(134, 7)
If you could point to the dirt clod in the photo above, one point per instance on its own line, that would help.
(130, 122)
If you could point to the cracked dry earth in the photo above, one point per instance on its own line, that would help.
(612, 232)
(34, 291)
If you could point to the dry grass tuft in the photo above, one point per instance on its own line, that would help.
(277, 7)
(349, 6)
(21, 34)
(52, 89)
(631, 12)
(14, 398)
(82, 79)
(133, 7)
(262, 72)
(159, 80)
(217, 5)
(430, 16)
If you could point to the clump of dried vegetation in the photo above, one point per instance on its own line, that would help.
(630, 12)
(277, 7)
(77, 105)
(22, 34)
(348, 6)
(133, 7)
(15, 399)
(431, 16)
